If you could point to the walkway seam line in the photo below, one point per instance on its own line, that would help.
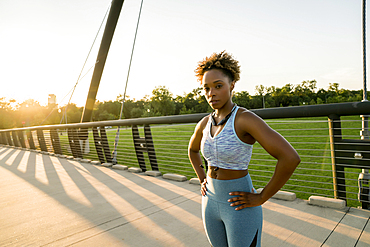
(335, 227)
(363, 229)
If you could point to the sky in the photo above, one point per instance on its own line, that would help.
(44, 45)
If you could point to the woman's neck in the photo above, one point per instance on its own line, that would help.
(226, 109)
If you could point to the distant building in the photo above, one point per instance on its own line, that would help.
(52, 99)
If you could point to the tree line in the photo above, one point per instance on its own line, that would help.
(163, 103)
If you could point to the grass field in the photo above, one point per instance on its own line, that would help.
(310, 137)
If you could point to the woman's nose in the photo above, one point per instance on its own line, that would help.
(211, 92)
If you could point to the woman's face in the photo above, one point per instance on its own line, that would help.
(217, 87)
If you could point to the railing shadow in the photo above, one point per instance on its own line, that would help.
(106, 201)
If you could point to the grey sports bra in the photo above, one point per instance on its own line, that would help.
(226, 150)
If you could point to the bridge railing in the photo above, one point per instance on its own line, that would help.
(327, 137)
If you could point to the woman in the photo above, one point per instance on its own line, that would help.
(231, 211)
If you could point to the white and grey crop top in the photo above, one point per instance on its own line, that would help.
(226, 150)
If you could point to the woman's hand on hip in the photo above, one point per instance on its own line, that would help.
(203, 187)
(245, 199)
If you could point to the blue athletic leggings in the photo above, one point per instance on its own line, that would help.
(226, 227)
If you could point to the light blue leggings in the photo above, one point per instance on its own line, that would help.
(226, 227)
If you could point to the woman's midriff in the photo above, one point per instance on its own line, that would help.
(225, 174)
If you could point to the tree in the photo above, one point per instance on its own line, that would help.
(195, 102)
(162, 102)
(30, 112)
(107, 110)
(242, 99)
(136, 112)
(334, 87)
(283, 96)
(74, 113)
(6, 115)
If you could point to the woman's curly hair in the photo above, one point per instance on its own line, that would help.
(223, 61)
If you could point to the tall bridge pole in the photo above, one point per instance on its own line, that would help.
(101, 58)
(365, 118)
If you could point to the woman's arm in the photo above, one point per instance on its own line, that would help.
(287, 159)
(193, 153)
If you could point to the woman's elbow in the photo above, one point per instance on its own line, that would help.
(291, 159)
(295, 159)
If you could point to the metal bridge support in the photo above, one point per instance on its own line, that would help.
(110, 27)
(41, 139)
(15, 139)
(55, 141)
(9, 139)
(30, 139)
(102, 145)
(144, 145)
(74, 143)
(150, 148)
(3, 138)
(21, 138)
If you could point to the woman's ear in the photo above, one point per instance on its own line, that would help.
(232, 86)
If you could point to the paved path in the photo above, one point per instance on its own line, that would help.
(50, 201)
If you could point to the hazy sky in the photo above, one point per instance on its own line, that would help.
(44, 45)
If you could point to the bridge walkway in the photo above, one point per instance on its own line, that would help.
(50, 201)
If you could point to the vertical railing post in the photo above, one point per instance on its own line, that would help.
(105, 144)
(71, 142)
(30, 139)
(150, 148)
(140, 146)
(5, 139)
(98, 144)
(15, 139)
(41, 139)
(102, 145)
(54, 136)
(9, 139)
(74, 143)
(335, 133)
(21, 138)
(2, 140)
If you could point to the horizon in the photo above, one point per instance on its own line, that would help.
(14, 104)
(276, 43)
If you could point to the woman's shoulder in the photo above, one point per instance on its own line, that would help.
(203, 122)
(247, 117)
(244, 113)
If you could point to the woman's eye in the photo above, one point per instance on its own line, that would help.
(218, 86)
(206, 89)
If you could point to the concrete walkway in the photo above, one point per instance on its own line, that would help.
(50, 201)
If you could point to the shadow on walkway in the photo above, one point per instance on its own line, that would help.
(47, 200)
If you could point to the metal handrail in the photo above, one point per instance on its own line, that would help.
(340, 109)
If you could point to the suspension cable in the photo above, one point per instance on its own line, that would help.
(364, 46)
(56, 107)
(114, 160)
(65, 109)
(79, 76)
